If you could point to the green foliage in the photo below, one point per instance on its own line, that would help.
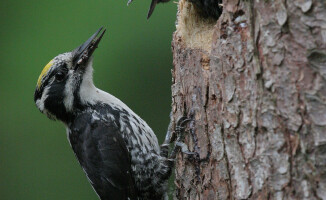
(133, 62)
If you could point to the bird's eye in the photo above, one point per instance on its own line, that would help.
(60, 76)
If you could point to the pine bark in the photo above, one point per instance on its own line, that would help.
(255, 83)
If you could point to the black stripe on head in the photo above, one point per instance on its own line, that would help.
(56, 81)
(62, 66)
(54, 102)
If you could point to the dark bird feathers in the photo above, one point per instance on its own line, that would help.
(102, 153)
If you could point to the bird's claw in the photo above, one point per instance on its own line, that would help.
(180, 126)
(184, 148)
(179, 131)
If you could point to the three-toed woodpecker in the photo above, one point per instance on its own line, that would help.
(207, 8)
(117, 150)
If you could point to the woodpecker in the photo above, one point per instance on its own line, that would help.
(207, 8)
(117, 150)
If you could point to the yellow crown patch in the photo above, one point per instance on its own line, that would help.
(44, 72)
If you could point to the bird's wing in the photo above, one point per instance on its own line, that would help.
(104, 157)
(116, 173)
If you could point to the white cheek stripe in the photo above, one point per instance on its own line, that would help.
(68, 100)
(40, 102)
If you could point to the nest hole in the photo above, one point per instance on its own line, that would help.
(196, 22)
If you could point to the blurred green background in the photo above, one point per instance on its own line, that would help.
(133, 62)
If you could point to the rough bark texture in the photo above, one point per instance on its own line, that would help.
(255, 82)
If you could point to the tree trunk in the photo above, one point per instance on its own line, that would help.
(255, 83)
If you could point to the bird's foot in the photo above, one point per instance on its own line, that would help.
(184, 148)
(181, 127)
(180, 131)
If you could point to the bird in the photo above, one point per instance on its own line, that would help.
(207, 8)
(116, 149)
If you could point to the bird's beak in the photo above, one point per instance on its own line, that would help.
(151, 8)
(82, 53)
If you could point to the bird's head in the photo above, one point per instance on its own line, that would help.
(59, 84)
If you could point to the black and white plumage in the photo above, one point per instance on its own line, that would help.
(117, 150)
